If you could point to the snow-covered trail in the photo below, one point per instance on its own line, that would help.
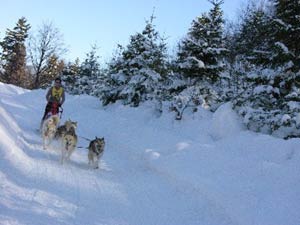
(126, 190)
(155, 171)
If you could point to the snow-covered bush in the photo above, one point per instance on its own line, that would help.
(271, 103)
(193, 97)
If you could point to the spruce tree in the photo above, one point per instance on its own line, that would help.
(115, 78)
(271, 103)
(253, 39)
(90, 67)
(249, 42)
(14, 53)
(85, 81)
(74, 68)
(52, 70)
(139, 69)
(201, 54)
(287, 57)
(70, 72)
(1, 65)
(201, 61)
(235, 77)
(287, 33)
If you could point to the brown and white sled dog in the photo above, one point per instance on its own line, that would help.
(68, 142)
(96, 149)
(49, 127)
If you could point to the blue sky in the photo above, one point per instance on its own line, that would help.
(108, 22)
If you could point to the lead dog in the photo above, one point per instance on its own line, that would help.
(96, 149)
(69, 142)
(49, 127)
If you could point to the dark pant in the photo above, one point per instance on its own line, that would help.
(51, 107)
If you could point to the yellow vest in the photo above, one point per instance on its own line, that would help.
(57, 93)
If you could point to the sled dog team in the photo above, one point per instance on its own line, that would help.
(66, 135)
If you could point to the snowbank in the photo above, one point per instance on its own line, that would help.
(225, 122)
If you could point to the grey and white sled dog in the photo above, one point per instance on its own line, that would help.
(96, 149)
(62, 130)
(49, 127)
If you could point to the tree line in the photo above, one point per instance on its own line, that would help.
(31, 61)
(253, 62)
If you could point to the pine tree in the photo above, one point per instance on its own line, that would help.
(85, 81)
(54, 68)
(89, 71)
(271, 104)
(74, 68)
(202, 52)
(287, 33)
(139, 68)
(201, 61)
(249, 42)
(70, 72)
(115, 79)
(235, 79)
(253, 39)
(1, 67)
(14, 53)
(90, 67)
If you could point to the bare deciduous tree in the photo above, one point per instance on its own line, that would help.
(47, 43)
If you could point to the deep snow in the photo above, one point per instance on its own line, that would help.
(206, 169)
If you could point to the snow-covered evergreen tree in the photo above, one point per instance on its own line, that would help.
(115, 78)
(84, 82)
(72, 68)
(253, 39)
(90, 69)
(14, 54)
(1, 69)
(138, 69)
(69, 73)
(249, 42)
(52, 70)
(286, 35)
(201, 54)
(271, 102)
(234, 77)
(200, 61)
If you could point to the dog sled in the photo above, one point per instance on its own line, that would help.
(55, 109)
